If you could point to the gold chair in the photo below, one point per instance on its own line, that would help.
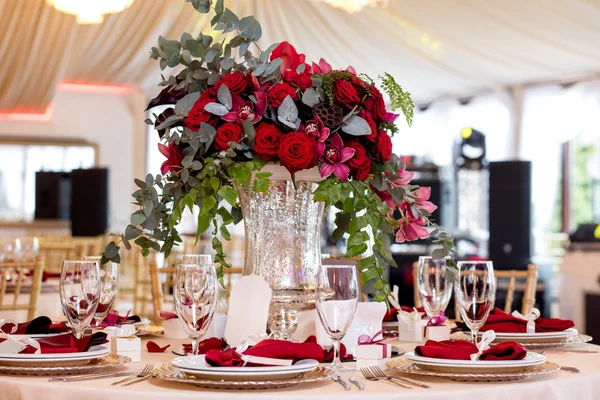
(160, 287)
(18, 271)
(55, 253)
(89, 246)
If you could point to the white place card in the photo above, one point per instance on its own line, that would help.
(248, 309)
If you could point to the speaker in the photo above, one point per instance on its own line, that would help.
(510, 243)
(52, 195)
(89, 202)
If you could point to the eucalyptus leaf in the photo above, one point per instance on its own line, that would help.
(356, 126)
(187, 56)
(210, 55)
(310, 98)
(287, 113)
(264, 56)
(224, 97)
(201, 74)
(216, 108)
(213, 78)
(260, 69)
(244, 47)
(202, 6)
(301, 68)
(184, 105)
(249, 129)
(219, 7)
(137, 218)
(227, 63)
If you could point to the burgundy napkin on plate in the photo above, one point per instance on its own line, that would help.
(225, 358)
(328, 354)
(37, 325)
(65, 343)
(499, 321)
(204, 346)
(462, 350)
(113, 318)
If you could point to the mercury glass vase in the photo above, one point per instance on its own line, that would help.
(283, 243)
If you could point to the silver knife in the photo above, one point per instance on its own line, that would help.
(341, 381)
(358, 383)
(89, 377)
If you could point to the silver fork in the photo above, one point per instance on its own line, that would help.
(147, 370)
(379, 373)
(143, 378)
(370, 376)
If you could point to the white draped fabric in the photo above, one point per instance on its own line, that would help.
(434, 48)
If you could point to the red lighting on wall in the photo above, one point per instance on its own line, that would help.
(93, 88)
(25, 115)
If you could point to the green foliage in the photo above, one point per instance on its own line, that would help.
(398, 97)
(329, 79)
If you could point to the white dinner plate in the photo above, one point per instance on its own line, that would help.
(197, 366)
(537, 335)
(37, 335)
(143, 322)
(530, 360)
(94, 352)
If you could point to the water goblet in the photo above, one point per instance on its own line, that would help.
(475, 293)
(336, 298)
(195, 294)
(197, 259)
(79, 293)
(109, 283)
(434, 289)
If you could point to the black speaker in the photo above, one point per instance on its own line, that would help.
(510, 243)
(89, 202)
(52, 195)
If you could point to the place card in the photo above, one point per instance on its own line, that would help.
(306, 327)
(248, 309)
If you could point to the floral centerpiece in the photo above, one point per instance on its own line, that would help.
(234, 108)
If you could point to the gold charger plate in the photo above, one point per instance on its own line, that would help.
(153, 330)
(408, 367)
(94, 365)
(174, 375)
(547, 343)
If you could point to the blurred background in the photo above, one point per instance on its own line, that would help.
(506, 128)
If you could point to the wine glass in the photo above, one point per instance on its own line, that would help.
(79, 293)
(434, 289)
(197, 259)
(109, 283)
(336, 298)
(30, 248)
(195, 295)
(475, 293)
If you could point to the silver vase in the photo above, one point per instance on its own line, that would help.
(283, 243)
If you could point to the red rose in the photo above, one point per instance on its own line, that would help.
(235, 81)
(229, 132)
(345, 93)
(361, 173)
(360, 86)
(197, 115)
(210, 93)
(297, 151)
(360, 154)
(174, 156)
(302, 81)
(375, 104)
(382, 148)
(367, 117)
(266, 141)
(279, 92)
(289, 56)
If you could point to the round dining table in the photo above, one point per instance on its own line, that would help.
(557, 386)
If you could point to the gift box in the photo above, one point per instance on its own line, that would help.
(375, 351)
(173, 329)
(437, 333)
(127, 346)
(411, 330)
(368, 362)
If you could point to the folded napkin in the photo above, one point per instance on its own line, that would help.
(499, 321)
(65, 343)
(269, 348)
(35, 326)
(206, 345)
(462, 350)
(113, 318)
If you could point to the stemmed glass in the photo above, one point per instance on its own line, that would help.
(336, 297)
(434, 289)
(195, 294)
(79, 293)
(475, 293)
(197, 259)
(109, 283)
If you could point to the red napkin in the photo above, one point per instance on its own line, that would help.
(462, 350)
(500, 321)
(328, 355)
(66, 343)
(113, 318)
(153, 347)
(36, 326)
(225, 358)
(206, 345)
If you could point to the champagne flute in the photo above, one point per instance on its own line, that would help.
(109, 283)
(475, 293)
(79, 293)
(195, 295)
(336, 298)
(434, 289)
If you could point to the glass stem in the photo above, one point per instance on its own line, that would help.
(474, 333)
(194, 345)
(337, 362)
(78, 331)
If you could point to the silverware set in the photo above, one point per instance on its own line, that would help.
(376, 374)
(131, 377)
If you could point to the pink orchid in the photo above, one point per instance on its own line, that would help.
(333, 156)
(241, 111)
(322, 68)
(390, 118)
(411, 227)
(317, 129)
(422, 194)
(403, 178)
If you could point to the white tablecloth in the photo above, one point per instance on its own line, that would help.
(558, 386)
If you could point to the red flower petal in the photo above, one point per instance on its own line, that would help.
(152, 347)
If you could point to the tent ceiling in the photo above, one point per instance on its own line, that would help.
(434, 48)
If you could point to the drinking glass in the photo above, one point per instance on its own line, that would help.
(79, 293)
(434, 289)
(197, 259)
(336, 297)
(109, 283)
(195, 294)
(475, 293)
